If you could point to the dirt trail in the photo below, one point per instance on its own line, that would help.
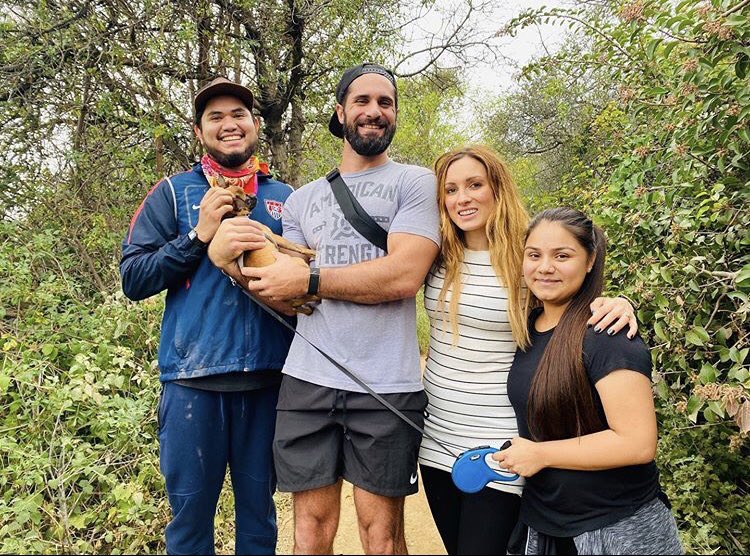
(421, 535)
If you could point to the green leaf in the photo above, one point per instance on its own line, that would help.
(668, 48)
(651, 47)
(697, 336)
(694, 405)
(743, 277)
(709, 415)
(735, 20)
(716, 407)
(724, 333)
(661, 301)
(738, 355)
(658, 90)
(77, 521)
(662, 390)
(741, 67)
(740, 374)
(10, 344)
(659, 330)
(738, 295)
(120, 329)
(707, 374)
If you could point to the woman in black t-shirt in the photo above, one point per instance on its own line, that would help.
(585, 410)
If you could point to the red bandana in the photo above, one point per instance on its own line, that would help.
(246, 178)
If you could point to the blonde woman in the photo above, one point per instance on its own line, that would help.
(474, 299)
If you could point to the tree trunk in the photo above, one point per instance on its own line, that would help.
(77, 182)
(295, 34)
(296, 129)
(159, 145)
(203, 21)
(237, 54)
(274, 133)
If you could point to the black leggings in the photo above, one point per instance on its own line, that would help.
(479, 523)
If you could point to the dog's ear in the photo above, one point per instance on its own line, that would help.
(251, 201)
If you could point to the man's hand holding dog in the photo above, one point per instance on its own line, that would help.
(285, 279)
(235, 236)
(216, 203)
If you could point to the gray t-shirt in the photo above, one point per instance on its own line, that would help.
(377, 342)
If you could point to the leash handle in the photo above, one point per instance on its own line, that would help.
(471, 473)
(344, 370)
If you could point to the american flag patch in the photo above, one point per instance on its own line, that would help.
(274, 209)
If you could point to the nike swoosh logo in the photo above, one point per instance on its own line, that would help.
(196, 207)
(413, 478)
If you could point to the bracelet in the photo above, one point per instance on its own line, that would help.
(232, 280)
(314, 284)
(633, 303)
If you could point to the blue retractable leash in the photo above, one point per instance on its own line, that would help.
(470, 472)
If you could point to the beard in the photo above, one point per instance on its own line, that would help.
(232, 160)
(369, 146)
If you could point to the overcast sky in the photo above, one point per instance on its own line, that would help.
(486, 81)
(518, 49)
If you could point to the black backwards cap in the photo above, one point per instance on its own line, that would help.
(334, 126)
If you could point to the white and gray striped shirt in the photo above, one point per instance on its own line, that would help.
(466, 382)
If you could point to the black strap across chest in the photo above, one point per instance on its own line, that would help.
(355, 214)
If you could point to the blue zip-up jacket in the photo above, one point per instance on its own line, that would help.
(209, 325)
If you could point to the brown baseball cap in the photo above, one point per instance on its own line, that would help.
(222, 86)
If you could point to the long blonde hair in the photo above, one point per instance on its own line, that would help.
(505, 231)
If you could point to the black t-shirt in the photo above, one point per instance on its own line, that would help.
(562, 502)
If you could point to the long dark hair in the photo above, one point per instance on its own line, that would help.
(561, 401)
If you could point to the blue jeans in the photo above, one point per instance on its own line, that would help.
(200, 433)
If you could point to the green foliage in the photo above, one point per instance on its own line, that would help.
(663, 166)
(78, 390)
(423, 324)
(642, 121)
(427, 128)
(700, 477)
(540, 126)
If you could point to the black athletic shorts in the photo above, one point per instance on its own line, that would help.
(324, 434)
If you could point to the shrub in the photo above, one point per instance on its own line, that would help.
(664, 168)
(78, 389)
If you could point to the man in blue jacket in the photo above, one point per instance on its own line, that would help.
(219, 356)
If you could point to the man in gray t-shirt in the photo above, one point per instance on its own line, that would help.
(327, 429)
(376, 341)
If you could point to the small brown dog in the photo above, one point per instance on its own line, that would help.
(242, 204)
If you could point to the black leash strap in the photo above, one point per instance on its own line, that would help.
(355, 214)
(346, 371)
